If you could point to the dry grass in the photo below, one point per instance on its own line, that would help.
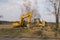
(5, 26)
(46, 32)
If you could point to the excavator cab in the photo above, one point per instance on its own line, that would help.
(38, 23)
(37, 20)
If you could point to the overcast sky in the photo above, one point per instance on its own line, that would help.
(11, 10)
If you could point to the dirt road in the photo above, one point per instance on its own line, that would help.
(25, 39)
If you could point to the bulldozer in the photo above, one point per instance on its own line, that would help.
(28, 23)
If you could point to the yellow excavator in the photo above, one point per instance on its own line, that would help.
(21, 23)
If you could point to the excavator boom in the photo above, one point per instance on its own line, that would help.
(28, 15)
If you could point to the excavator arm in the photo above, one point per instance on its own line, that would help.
(28, 15)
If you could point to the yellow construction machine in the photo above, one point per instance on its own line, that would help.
(22, 23)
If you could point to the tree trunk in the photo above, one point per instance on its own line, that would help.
(57, 18)
(57, 21)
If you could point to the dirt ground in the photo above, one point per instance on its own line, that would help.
(25, 39)
(5, 26)
(38, 32)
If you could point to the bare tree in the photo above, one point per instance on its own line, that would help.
(1, 16)
(55, 5)
(0, 20)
